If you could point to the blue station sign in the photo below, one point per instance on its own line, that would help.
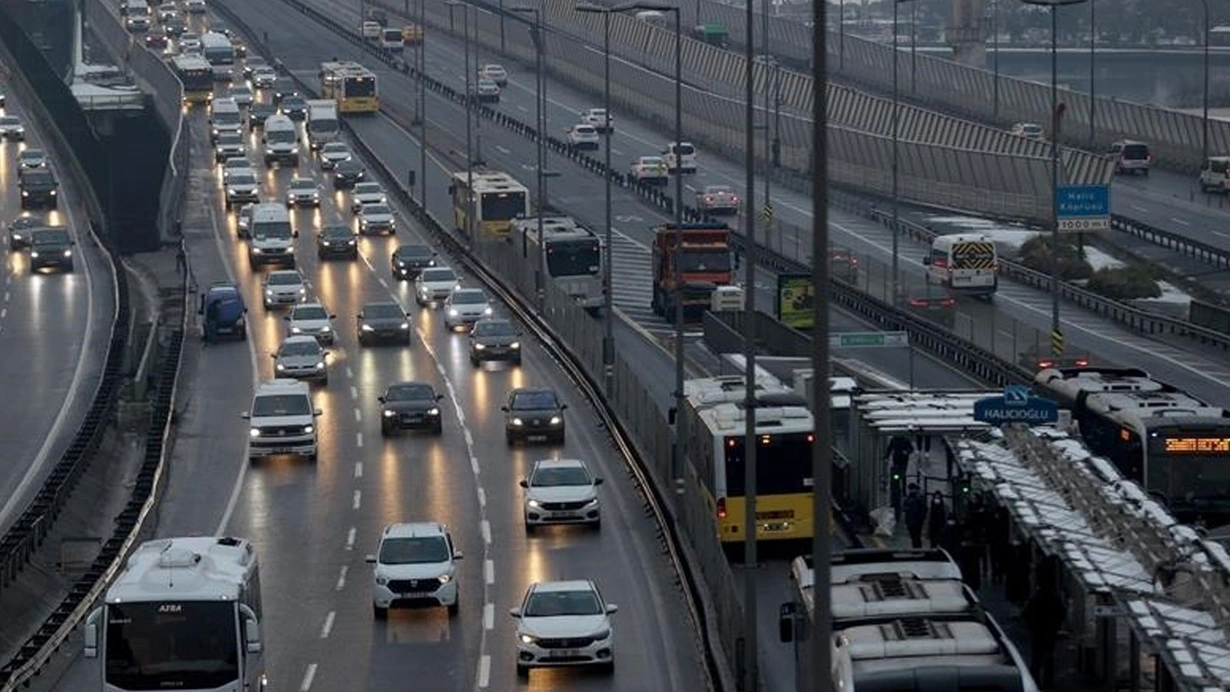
(1016, 405)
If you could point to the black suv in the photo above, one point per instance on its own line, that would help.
(283, 87)
(347, 173)
(38, 188)
(383, 322)
(294, 107)
(410, 406)
(495, 339)
(534, 412)
(51, 247)
(409, 260)
(20, 229)
(258, 113)
(337, 240)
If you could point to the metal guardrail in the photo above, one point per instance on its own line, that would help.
(1216, 257)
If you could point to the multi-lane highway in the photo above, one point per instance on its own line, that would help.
(54, 330)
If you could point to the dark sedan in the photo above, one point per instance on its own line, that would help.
(383, 322)
(20, 230)
(534, 413)
(294, 107)
(409, 260)
(347, 173)
(410, 406)
(494, 340)
(336, 240)
(258, 113)
(51, 247)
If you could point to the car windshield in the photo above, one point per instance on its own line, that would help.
(350, 166)
(685, 149)
(271, 405)
(414, 391)
(1135, 152)
(336, 148)
(241, 91)
(407, 251)
(469, 297)
(560, 475)
(584, 130)
(368, 189)
(652, 161)
(301, 348)
(237, 163)
(414, 551)
(375, 210)
(523, 401)
(244, 178)
(336, 232)
(383, 310)
(717, 190)
(309, 312)
(9, 120)
(284, 279)
(31, 154)
(230, 138)
(493, 328)
(438, 275)
(547, 604)
(51, 237)
(293, 103)
(303, 186)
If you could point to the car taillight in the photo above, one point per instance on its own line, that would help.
(948, 302)
(918, 303)
(721, 508)
(1081, 362)
(709, 198)
(1044, 364)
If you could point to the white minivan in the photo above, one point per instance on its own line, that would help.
(282, 420)
(271, 237)
(680, 158)
(1215, 174)
(281, 141)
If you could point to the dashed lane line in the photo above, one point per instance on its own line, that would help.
(358, 469)
(326, 628)
(308, 676)
(350, 536)
(358, 499)
(341, 577)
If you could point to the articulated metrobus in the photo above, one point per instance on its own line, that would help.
(498, 199)
(197, 76)
(185, 614)
(713, 421)
(351, 85)
(572, 255)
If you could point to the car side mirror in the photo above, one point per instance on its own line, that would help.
(439, 397)
(332, 317)
(286, 318)
(246, 415)
(91, 633)
(785, 622)
(563, 407)
(523, 483)
(599, 481)
(294, 234)
(515, 612)
(370, 559)
(926, 261)
(318, 412)
(273, 356)
(504, 408)
(458, 555)
(611, 609)
(252, 635)
(380, 399)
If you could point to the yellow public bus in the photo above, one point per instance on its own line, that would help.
(498, 199)
(197, 76)
(351, 85)
(713, 423)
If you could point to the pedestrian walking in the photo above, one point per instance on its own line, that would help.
(915, 515)
(211, 323)
(1044, 616)
(937, 519)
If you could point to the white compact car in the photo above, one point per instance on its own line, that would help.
(264, 78)
(650, 170)
(582, 136)
(564, 623)
(561, 491)
(436, 283)
(366, 193)
(284, 287)
(599, 118)
(376, 218)
(416, 564)
(495, 73)
(333, 153)
(282, 419)
(234, 164)
(303, 192)
(242, 95)
(465, 306)
(32, 158)
(302, 358)
(311, 319)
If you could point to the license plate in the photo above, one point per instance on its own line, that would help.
(565, 515)
(416, 594)
(565, 653)
(282, 450)
(412, 419)
(535, 437)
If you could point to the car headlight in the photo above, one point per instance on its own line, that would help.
(527, 639)
(326, 329)
(68, 253)
(303, 290)
(16, 236)
(254, 432)
(309, 429)
(433, 411)
(350, 242)
(53, 193)
(326, 243)
(602, 634)
(487, 310)
(479, 347)
(320, 365)
(405, 325)
(34, 254)
(268, 291)
(400, 263)
(534, 503)
(281, 367)
(452, 312)
(515, 345)
(516, 421)
(296, 330)
(556, 420)
(257, 251)
(368, 328)
(445, 578)
(382, 580)
(389, 414)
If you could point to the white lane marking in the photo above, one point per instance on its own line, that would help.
(482, 497)
(354, 392)
(341, 578)
(1219, 233)
(469, 437)
(1181, 222)
(358, 498)
(358, 415)
(489, 616)
(328, 626)
(350, 536)
(358, 439)
(358, 469)
(6, 296)
(486, 529)
(383, 282)
(502, 150)
(474, 466)
(3, 313)
(1137, 207)
(349, 372)
(308, 677)
(484, 671)
(489, 572)
(523, 109)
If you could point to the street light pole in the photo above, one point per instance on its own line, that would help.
(540, 284)
(913, 46)
(1093, 45)
(896, 298)
(465, 23)
(751, 644)
(841, 35)
(995, 57)
(422, 68)
(1204, 146)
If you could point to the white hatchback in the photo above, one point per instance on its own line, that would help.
(564, 623)
(582, 136)
(435, 283)
(415, 565)
(561, 491)
(465, 306)
(311, 319)
(284, 287)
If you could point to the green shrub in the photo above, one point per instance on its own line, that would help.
(1036, 254)
(1125, 283)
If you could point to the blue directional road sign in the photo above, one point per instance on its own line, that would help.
(1016, 405)
(1083, 208)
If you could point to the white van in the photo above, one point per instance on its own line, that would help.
(271, 236)
(322, 123)
(136, 15)
(283, 420)
(964, 263)
(680, 158)
(1215, 175)
(224, 116)
(281, 141)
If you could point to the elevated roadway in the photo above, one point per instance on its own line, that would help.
(53, 334)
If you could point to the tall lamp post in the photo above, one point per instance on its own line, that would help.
(608, 307)
(422, 69)
(995, 58)
(896, 136)
(541, 141)
(751, 644)
(1093, 53)
(465, 22)
(1054, 5)
(1204, 146)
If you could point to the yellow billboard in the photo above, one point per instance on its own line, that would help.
(796, 300)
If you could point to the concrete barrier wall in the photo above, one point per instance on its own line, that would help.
(1176, 138)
